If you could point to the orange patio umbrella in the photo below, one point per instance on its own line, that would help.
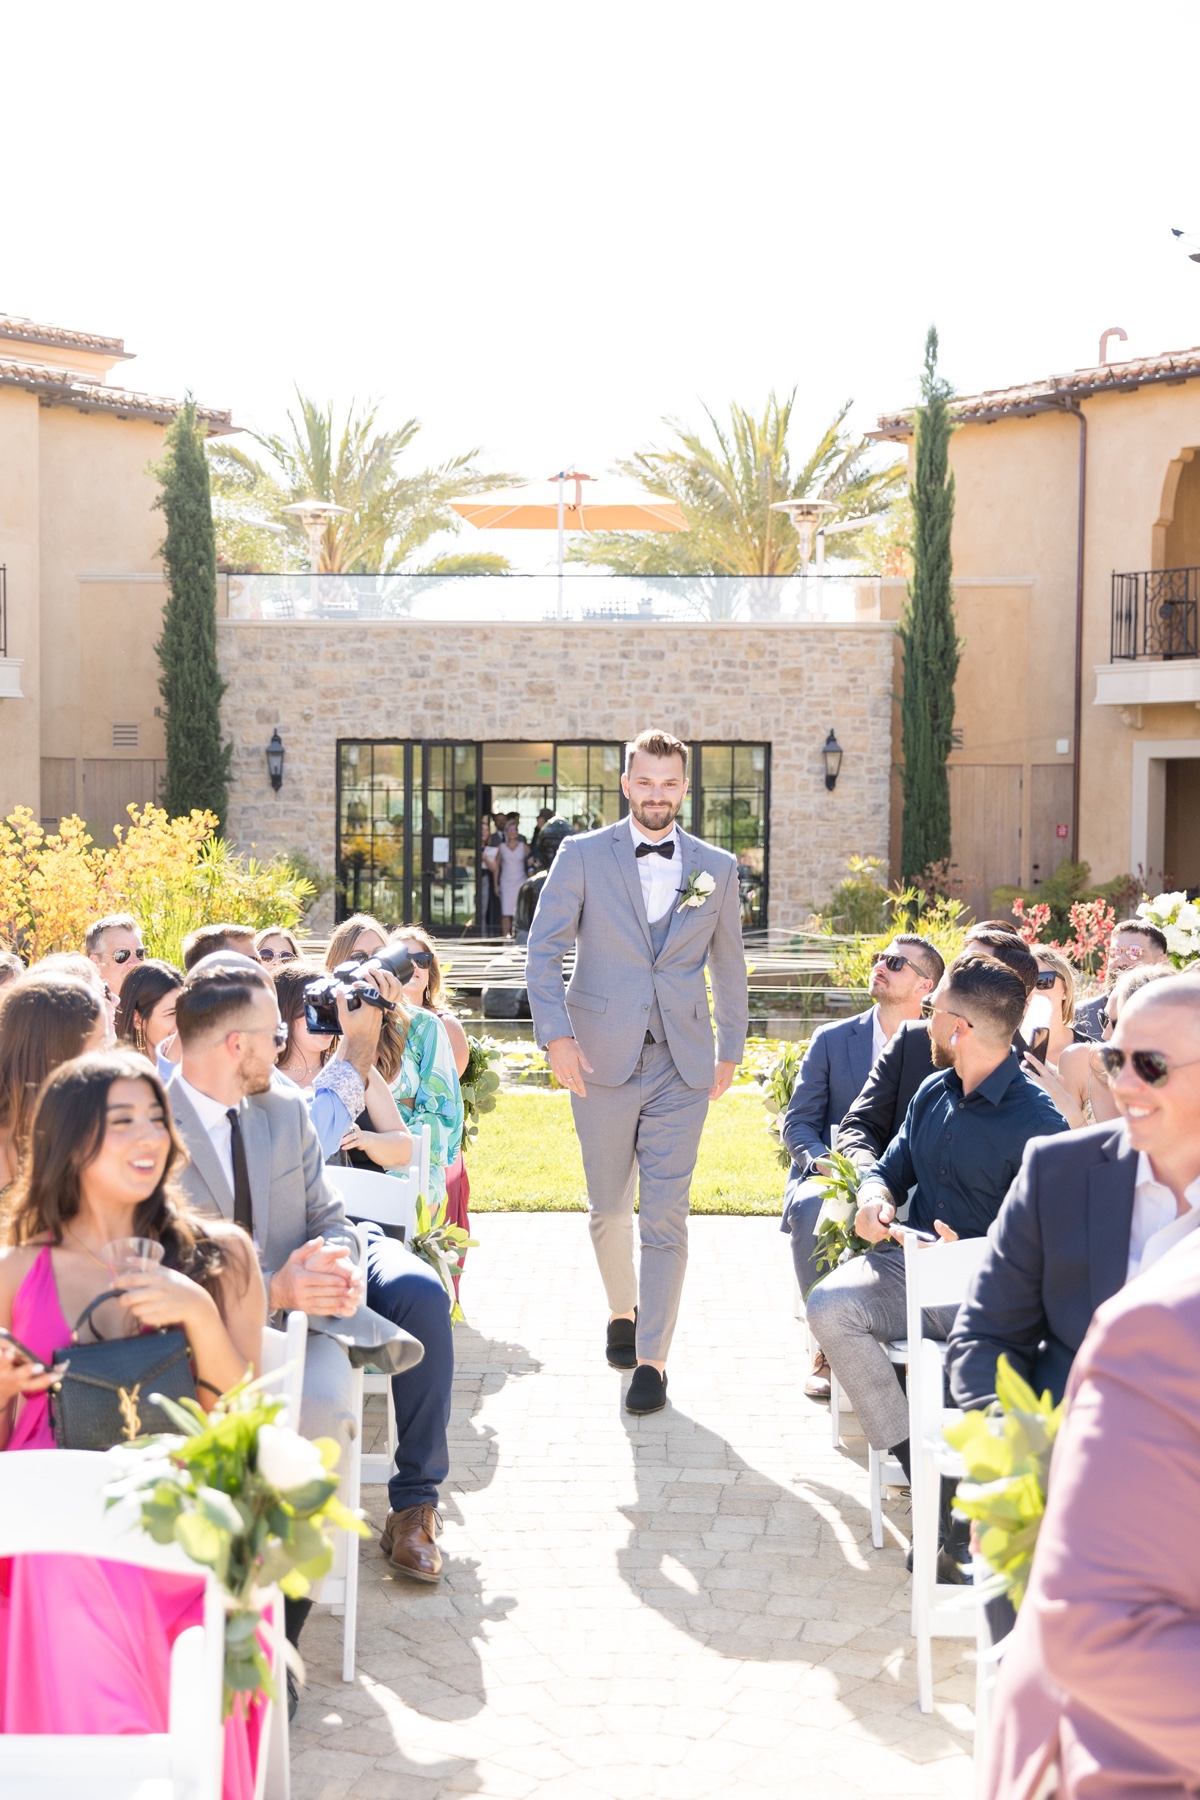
(559, 505)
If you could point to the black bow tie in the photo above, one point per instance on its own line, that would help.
(667, 849)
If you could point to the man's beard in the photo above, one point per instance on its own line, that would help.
(256, 1081)
(942, 1058)
(657, 823)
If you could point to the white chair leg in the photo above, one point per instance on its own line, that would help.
(875, 1476)
(273, 1780)
(797, 1296)
(353, 1497)
(835, 1410)
(393, 1434)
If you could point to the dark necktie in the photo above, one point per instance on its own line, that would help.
(667, 849)
(243, 1212)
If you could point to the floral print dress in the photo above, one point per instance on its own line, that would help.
(427, 1093)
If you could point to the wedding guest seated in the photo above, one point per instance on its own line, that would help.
(1080, 1070)
(275, 946)
(832, 1074)
(146, 1011)
(907, 1060)
(1134, 944)
(378, 1137)
(86, 1643)
(358, 937)
(425, 990)
(75, 963)
(1090, 1211)
(257, 1158)
(115, 946)
(1095, 1698)
(426, 1088)
(46, 1018)
(960, 1146)
(207, 940)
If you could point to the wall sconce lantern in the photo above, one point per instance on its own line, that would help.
(832, 754)
(275, 754)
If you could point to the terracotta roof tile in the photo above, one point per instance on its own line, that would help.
(1057, 390)
(28, 331)
(58, 387)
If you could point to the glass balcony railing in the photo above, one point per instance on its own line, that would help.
(532, 599)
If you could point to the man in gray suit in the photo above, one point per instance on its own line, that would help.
(646, 907)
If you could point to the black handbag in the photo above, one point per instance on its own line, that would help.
(102, 1393)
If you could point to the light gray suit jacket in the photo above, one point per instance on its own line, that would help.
(291, 1198)
(592, 899)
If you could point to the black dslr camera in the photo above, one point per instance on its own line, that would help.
(321, 997)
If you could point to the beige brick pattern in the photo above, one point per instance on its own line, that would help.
(679, 1606)
(782, 684)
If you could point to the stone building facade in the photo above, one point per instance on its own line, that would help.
(781, 687)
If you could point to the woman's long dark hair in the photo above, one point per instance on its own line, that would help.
(65, 1136)
(45, 1019)
(143, 988)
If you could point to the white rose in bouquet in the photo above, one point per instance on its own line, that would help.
(836, 1209)
(287, 1460)
(1178, 918)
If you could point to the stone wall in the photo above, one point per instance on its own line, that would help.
(785, 685)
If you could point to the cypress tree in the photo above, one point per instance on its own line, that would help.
(927, 632)
(190, 683)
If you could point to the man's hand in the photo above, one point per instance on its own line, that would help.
(725, 1072)
(874, 1217)
(318, 1280)
(944, 1232)
(568, 1064)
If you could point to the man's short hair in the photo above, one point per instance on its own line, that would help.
(207, 938)
(114, 922)
(928, 959)
(213, 1000)
(992, 995)
(1157, 938)
(1176, 987)
(994, 925)
(656, 743)
(1005, 947)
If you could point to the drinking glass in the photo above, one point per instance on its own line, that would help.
(133, 1255)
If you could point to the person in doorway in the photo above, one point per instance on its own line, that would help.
(512, 868)
(647, 909)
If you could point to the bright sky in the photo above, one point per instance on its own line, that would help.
(539, 228)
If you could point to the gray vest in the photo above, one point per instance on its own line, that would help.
(658, 937)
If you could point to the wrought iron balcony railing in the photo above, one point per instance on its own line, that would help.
(1154, 614)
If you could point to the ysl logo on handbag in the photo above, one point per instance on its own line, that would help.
(128, 1402)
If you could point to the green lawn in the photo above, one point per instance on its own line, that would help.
(526, 1157)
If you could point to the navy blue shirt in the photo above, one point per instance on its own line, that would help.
(963, 1151)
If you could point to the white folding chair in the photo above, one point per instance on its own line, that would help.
(988, 1655)
(52, 1502)
(936, 1275)
(283, 1356)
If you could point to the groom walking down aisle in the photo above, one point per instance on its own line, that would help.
(646, 906)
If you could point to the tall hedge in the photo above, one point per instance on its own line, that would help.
(927, 631)
(190, 683)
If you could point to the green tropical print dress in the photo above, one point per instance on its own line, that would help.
(427, 1093)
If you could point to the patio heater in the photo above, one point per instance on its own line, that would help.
(314, 515)
(806, 516)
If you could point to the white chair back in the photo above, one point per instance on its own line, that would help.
(283, 1356)
(386, 1199)
(52, 1502)
(938, 1275)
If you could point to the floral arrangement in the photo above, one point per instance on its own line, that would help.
(837, 1240)
(479, 1084)
(1006, 1449)
(246, 1497)
(1178, 918)
(444, 1247)
(700, 885)
(1091, 928)
(777, 1081)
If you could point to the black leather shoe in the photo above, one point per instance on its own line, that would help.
(949, 1572)
(621, 1346)
(647, 1391)
(293, 1695)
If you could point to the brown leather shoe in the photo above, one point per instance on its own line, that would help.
(409, 1540)
(817, 1385)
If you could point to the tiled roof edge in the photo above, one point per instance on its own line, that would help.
(28, 331)
(57, 388)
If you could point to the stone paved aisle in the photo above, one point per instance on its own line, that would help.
(682, 1606)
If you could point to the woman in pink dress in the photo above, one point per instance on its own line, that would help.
(85, 1644)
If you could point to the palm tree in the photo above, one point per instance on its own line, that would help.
(390, 512)
(726, 491)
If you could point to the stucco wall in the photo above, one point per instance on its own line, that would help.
(786, 685)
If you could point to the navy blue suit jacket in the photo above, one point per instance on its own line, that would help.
(1058, 1249)
(835, 1066)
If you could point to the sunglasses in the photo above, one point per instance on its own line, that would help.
(123, 956)
(893, 961)
(1046, 979)
(930, 1011)
(422, 958)
(282, 956)
(1150, 1066)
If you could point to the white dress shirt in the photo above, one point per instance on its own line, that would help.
(1157, 1225)
(879, 1042)
(215, 1120)
(660, 875)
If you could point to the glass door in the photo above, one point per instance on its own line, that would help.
(446, 836)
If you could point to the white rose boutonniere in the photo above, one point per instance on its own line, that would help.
(700, 885)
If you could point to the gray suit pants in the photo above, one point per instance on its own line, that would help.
(643, 1137)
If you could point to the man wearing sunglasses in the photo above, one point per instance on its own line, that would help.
(835, 1066)
(1092, 1210)
(115, 946)
(1134, 944)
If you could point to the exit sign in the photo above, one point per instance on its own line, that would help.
(1061, 831)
